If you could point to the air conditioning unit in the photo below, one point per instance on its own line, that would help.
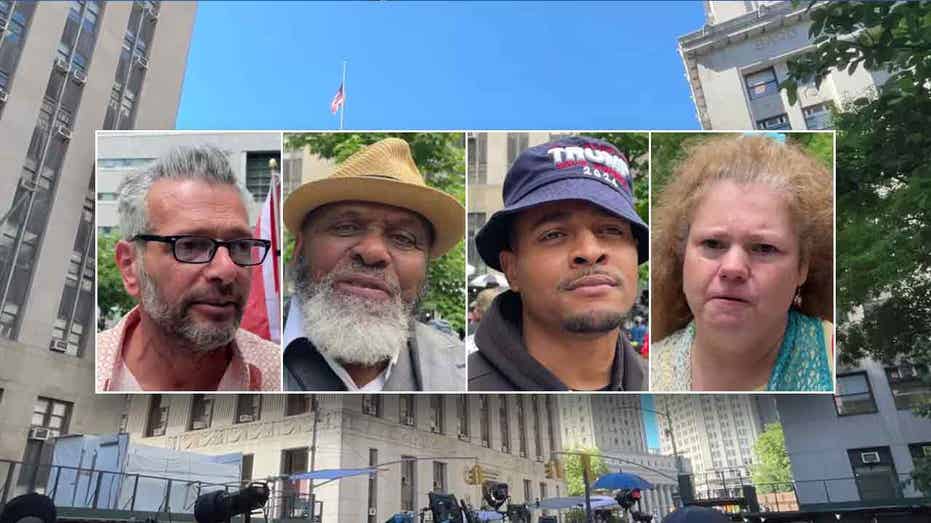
(3, 95)
(41, 433)
(409, 420)
(198, 424)
(372, 511)
(64, 131)
(61, 64)
(244, 418)
(141, 61)
(158, 431)
(869, 457)
(80, 76)
(58, 345)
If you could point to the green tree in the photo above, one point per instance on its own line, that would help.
(111, 295)
(440, 158)
(635, 147)
(771, 470)
(883, 180)
(573, 466)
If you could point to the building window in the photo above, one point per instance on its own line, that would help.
(550, 422)
(406, 415)
(77, 300)
(920, 450)
(158, 416)
(875, 473)
(484, 415)
(248, 408)
(761, 83)
(259, 173)
(503, 421)
(437, 414)
(854, 395)
(293, 461)
(51, 414)
(11, 40)
(527, 497)
(517, 142)
(371, 405)
(774, 123)
(908, 388)
(373, 488)
(201, 412)
(132, 65)
(246, 474)
(476, 221)
(542, 490)
(50, 419)
(439, 477)
(408, 479)
(818, 116)
(462, 416)
(478, 158)
(296, 404)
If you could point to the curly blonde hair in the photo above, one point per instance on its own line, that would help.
(743, 160)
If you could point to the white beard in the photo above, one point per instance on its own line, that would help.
(351, 329)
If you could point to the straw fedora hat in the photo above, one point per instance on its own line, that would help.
(385, 173)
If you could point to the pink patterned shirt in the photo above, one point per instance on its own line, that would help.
(256, 363)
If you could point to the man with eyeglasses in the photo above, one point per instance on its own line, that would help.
(365, 236)
(186, 255)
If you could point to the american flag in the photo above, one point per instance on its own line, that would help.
(262, 316)
(338, 100)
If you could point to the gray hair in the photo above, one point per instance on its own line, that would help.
(203, 162)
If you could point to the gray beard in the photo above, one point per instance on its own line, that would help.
(175, 321)
(350, 329)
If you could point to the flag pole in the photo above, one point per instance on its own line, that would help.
(342, 107)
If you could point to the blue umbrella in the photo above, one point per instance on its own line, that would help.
(621, 480)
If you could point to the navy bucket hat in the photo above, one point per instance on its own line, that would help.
(572, 168)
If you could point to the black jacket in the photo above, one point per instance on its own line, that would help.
(433, 361)
(502, 362)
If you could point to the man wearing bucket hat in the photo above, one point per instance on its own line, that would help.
(569, 241)
(364, 236)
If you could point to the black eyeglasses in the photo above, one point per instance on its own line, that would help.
(185, 248)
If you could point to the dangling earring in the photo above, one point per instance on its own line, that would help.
(797, 301)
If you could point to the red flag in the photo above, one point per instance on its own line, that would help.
(262, 315)
(338, 100)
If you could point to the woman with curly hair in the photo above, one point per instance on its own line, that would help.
(743, 271)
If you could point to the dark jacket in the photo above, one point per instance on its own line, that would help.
(502, 362)
(433, 361)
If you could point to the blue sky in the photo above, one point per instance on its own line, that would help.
(650, 421)
(479, 65)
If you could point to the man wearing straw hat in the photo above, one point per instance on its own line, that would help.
(569, 241)
(365, 235)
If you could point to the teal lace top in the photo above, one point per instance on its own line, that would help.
(802, 364)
